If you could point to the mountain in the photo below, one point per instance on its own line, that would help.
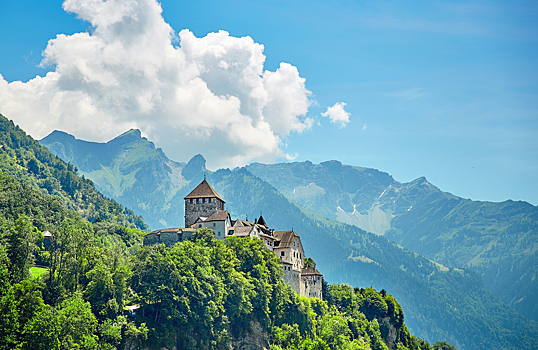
(497, 240)
(24, 159)
(199, 294)
(130, 169)
(440, 302)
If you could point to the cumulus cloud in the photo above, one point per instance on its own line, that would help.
(337, 114)
(209, 95)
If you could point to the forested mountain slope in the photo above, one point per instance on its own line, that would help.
(26, 160)
(199, 294)
(497, 240)
(130, 170)
(440, 303)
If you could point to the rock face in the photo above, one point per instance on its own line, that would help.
(392, 332)
(194, 166)
(257, 339)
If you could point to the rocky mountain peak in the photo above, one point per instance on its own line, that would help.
(194, 166)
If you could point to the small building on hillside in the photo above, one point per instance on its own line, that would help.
(204, 208)
(220, 222)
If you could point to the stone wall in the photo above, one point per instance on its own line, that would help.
(194, 210)
(311, 286)
(168, 238)
(293, 278)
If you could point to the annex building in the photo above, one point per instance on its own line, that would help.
(204, 208)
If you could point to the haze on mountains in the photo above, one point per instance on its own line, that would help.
(198, 294)
(498, 259)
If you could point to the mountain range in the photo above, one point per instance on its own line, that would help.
(497, 240)
(448, 262)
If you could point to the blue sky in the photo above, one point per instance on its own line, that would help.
(437, 89)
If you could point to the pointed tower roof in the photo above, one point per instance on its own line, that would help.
(261, 221)
(203, 190)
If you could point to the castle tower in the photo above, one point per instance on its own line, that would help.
(202, 202)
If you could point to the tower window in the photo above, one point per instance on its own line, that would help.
(214, 224)
(282, 253)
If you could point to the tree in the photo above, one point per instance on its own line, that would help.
(21, 243)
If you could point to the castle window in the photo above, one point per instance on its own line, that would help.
(191, 200)
(203, 200)
(214, 224)
(199, 226)
(197, 200)
(209, 201)
(282, 253)
(219, 233)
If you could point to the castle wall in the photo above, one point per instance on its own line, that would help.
(311, 286)
(168, 238)
(293, 278)
(219, 227)
(195, 210)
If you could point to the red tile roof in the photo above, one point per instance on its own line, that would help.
(309, 271)
(219, 215)
(203, 190)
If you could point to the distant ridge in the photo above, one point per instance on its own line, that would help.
(440, 302)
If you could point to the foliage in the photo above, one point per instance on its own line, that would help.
(26, 160)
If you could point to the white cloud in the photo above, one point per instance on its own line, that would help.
(337, 114)
(210, 95)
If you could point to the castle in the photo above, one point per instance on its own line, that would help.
(204, 208)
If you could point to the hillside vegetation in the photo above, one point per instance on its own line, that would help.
(26, 160)
(199, 294)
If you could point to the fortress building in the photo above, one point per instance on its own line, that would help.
(204, 208)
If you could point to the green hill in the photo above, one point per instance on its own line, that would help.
(29, 162)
